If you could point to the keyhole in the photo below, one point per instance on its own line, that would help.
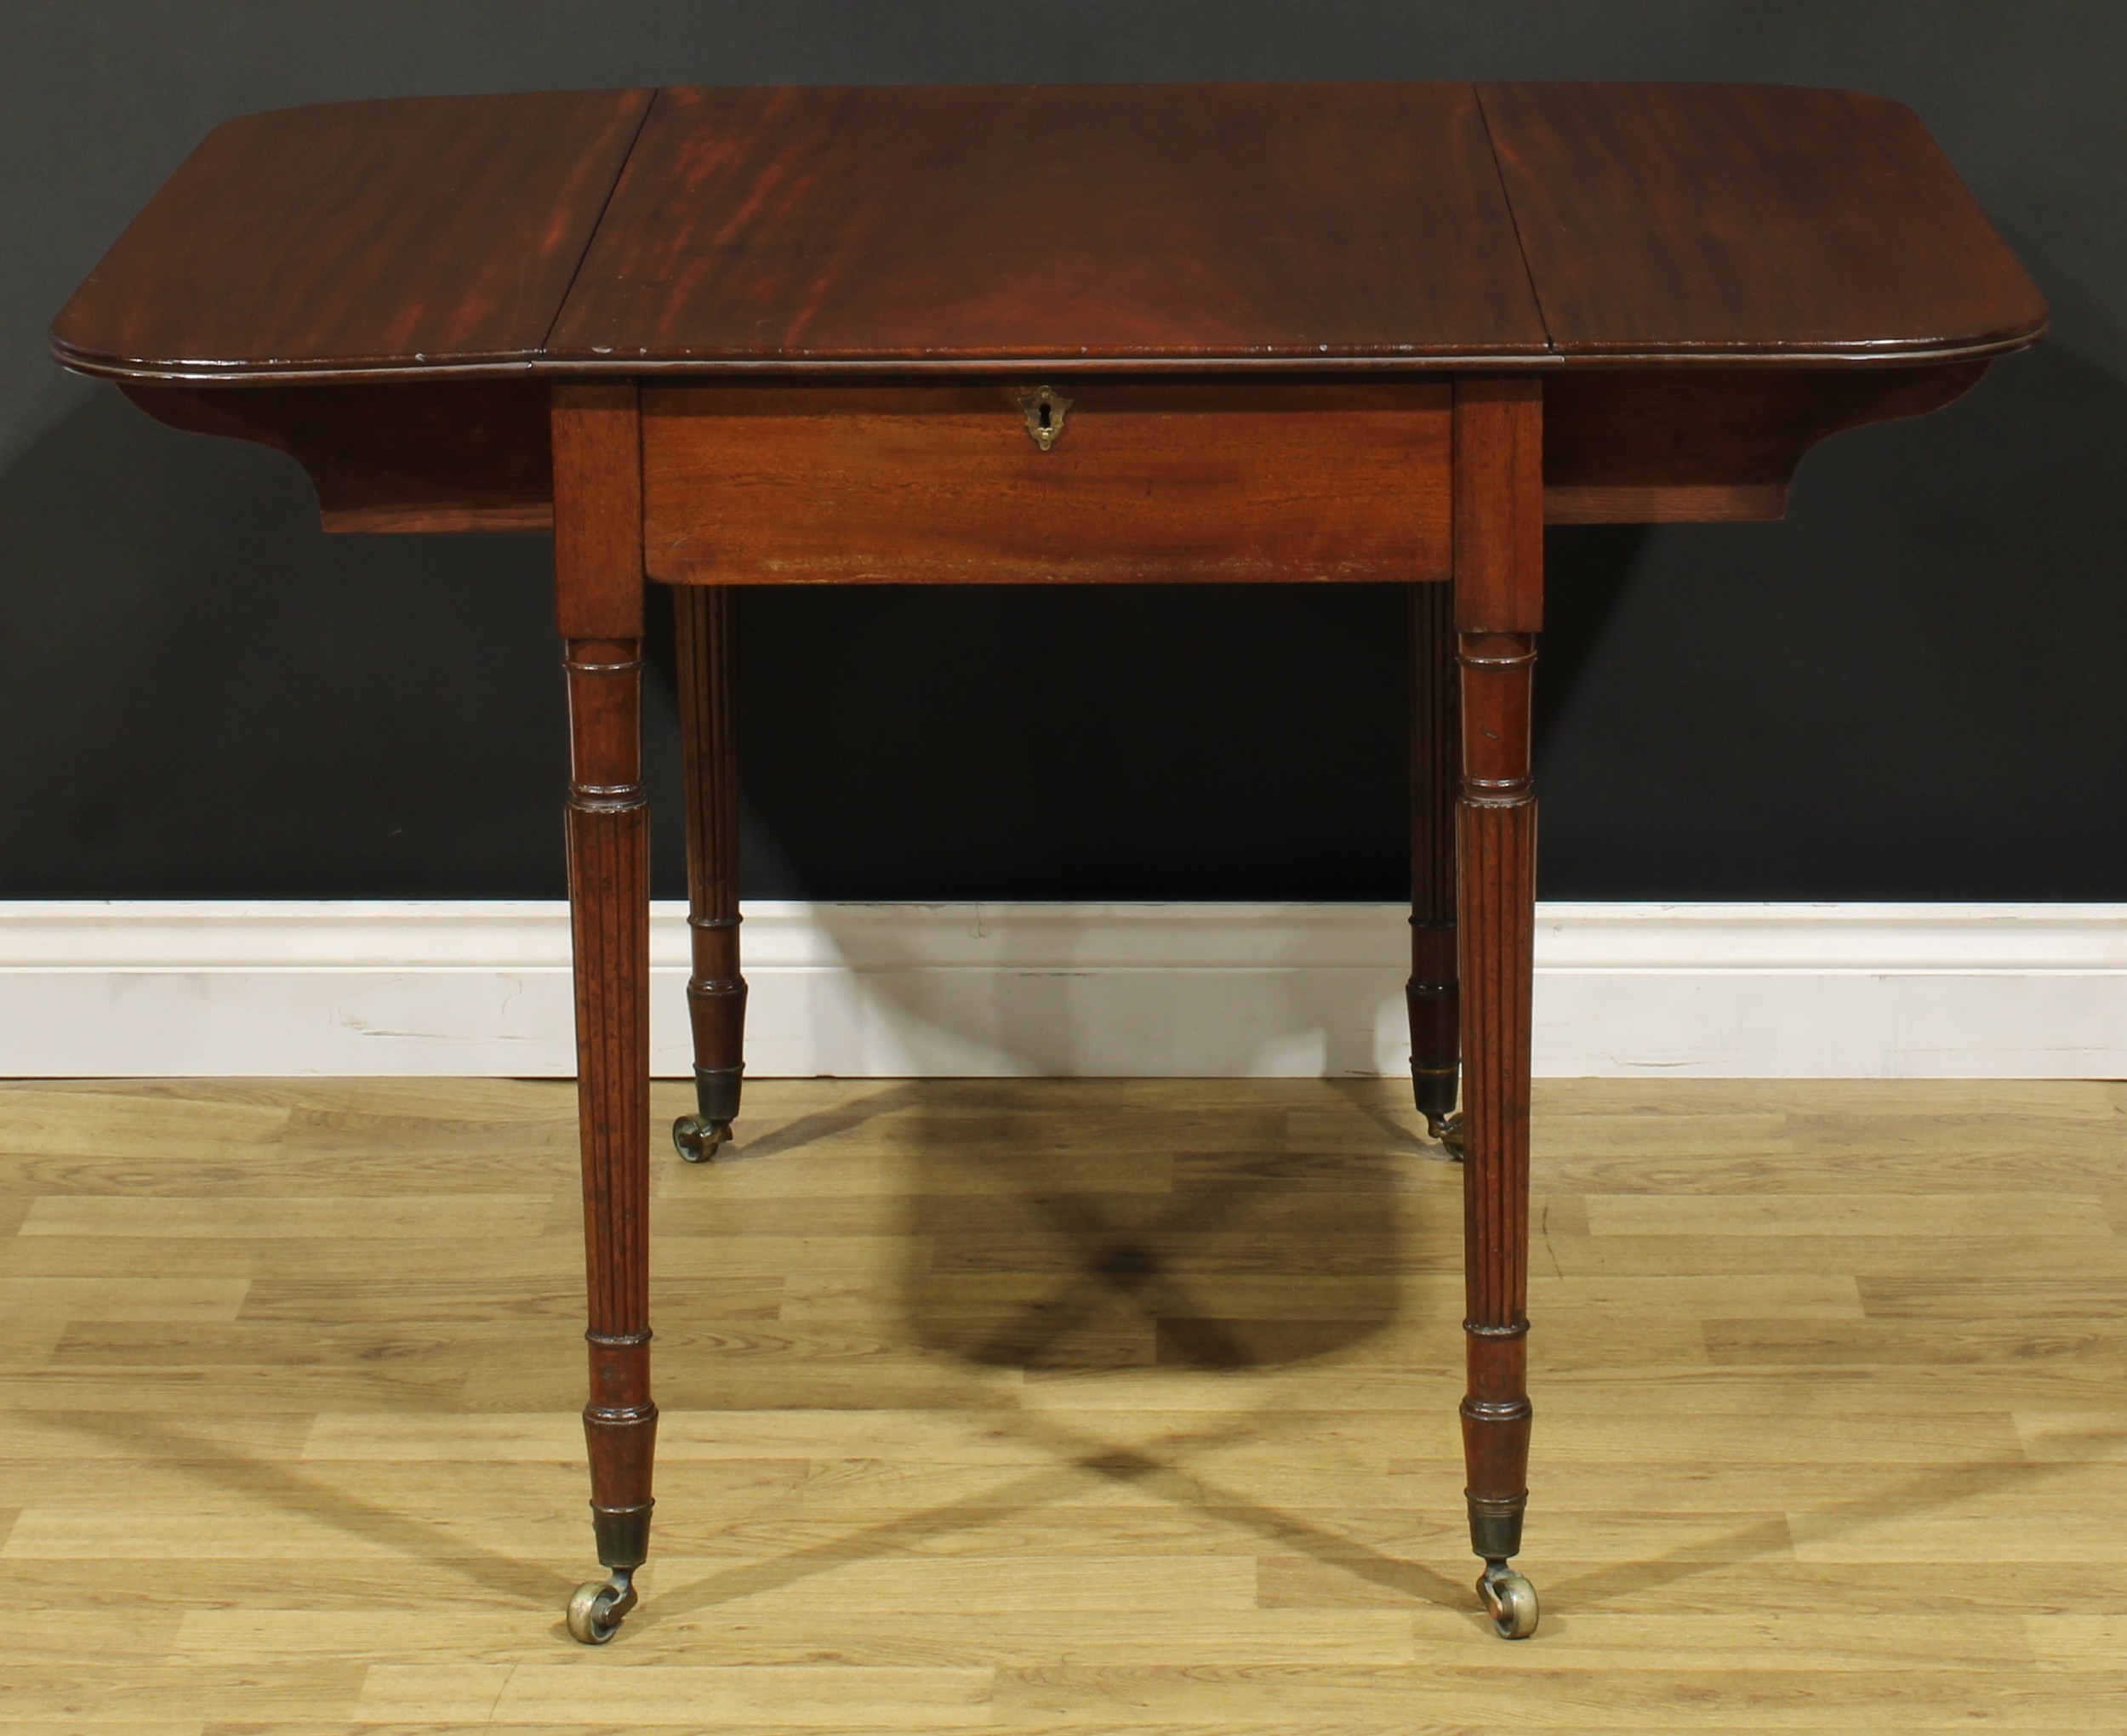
(1045, 412)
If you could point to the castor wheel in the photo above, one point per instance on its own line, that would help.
(596, 1607)
(1509, 1600)
(1448, 1130)
(696, 1139)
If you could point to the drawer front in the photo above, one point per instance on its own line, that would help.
(1142, 482)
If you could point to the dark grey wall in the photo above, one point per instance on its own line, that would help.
(1910, 689)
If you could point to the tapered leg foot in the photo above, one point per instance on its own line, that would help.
(1495, 1535)
(1436, 1090)
(596, 1608)
(698, 1136)
(1495, 1525)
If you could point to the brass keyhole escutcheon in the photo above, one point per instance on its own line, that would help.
(1045, 410)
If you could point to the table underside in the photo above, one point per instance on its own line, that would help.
(1620, 445)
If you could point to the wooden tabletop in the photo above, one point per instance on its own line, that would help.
(1287, 226)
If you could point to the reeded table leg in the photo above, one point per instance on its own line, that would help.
(598, 566)
(1498, 607)
(704, 616)
(1436, 753)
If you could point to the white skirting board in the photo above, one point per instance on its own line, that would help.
(1824, 991)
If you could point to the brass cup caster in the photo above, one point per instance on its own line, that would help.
(596, 1607)
(1509, 1600)
(1448, 1130)
(696, 1139)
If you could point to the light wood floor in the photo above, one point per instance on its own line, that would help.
(1065, 1407)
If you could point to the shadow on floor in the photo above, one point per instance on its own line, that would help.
(1272, 1232)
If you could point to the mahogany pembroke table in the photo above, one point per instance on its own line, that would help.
(1085, 334)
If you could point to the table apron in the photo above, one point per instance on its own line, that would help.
(1139, 482)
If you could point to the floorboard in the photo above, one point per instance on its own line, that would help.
(1065, 1407)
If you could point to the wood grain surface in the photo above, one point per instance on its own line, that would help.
(1166, 480)
(1690, 221)
(407, 234)
(1832, 1412)
(1648, 446)
(436, 454)
(1307, 224)
(1289, 225)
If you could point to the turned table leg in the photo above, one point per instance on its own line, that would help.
(705, 619)
(1498, 607)
(1436, 753)
(598, 569)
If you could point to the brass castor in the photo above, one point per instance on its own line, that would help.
(1448, 1130)
(696, 1139)
(596, 1607)
(1509, 1600)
